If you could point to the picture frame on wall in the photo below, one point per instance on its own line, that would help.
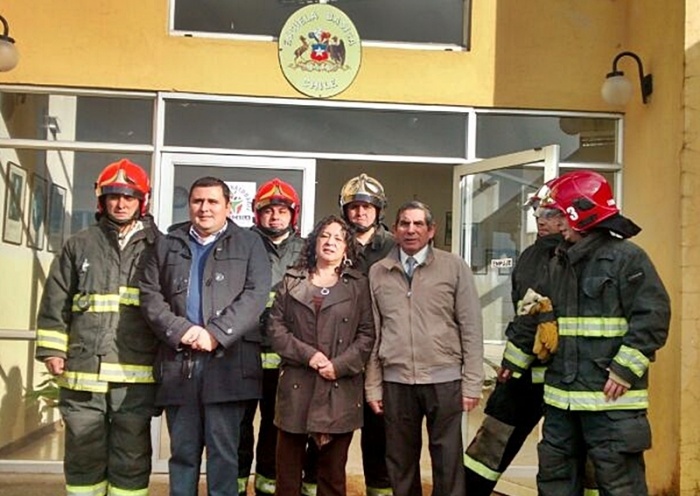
(15, 199)
(36, 224)
(55, 223)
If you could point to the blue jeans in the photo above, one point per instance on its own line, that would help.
(192, 427)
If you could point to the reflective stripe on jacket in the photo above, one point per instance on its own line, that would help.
(613, 313)
(89, 312)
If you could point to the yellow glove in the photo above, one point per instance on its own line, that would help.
(547, 335)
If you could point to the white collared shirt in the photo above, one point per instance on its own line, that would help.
(204, 241)
(418, 257)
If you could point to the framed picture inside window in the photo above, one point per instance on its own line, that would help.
(15, 199)
(448, 229)
(55, 224)
(36, 225)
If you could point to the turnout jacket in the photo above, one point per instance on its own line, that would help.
(282, 256)
(613, 314)
(530, 272)
(429, 331)
(343, 330)
(89, 311)
(378, 247)
(235, 287)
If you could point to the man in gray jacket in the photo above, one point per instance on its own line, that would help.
(427, 359)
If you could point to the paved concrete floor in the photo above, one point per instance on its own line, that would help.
(52, 485)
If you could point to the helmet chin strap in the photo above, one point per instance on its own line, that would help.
(122, 223)
(275, 233)
(363, 229)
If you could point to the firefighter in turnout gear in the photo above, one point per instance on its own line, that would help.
(362, 203)
(515, 406)
(613, 314)
(276, 208)
(92, 338)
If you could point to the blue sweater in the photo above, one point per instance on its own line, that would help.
(200, 254)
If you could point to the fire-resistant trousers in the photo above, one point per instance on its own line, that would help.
(615, 441)
(512, 412)
(108, 438)
(267, 439)
(373, 445)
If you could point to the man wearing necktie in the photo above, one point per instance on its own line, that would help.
(427, 359)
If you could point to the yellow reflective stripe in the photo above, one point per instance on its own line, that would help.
(242, 484)
(56, 340)
(636, 399)
(270, 299)
(95, 303)
(118, 372)
(81, 381)
(632, 359)
(592, 327)
(379, 491)
(99, 489)
(106, 302)
(538, 375)
(516, 375)
(481, 469)
(270, 360)
(308, 489)
(516, 356)
(117, 491)
(590, 492)
(264, 485)
(129, 296)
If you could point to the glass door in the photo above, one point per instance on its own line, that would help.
(492, 229)
(244, 175)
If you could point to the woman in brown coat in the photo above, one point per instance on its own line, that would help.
(321, 325)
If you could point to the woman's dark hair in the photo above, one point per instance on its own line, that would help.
(307, 257)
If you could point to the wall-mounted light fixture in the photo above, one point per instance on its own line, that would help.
(8, 51)
(617, 89)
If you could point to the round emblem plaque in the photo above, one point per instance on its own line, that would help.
(319, 50)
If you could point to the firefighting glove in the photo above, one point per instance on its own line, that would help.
(547, 335)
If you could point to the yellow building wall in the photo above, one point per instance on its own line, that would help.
(539, 54)
(524, 54)
(653, 146)
(689, 317)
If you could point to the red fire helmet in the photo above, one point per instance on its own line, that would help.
(124, 178)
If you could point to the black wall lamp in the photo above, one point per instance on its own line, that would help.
(8, 51)
(617, 89)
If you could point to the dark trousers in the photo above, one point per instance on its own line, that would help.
(267, 437)
(191, 428)
(405, 406)
(332, 458)
(512, 412)
(373, 445)
(615, 442)
(108, 436)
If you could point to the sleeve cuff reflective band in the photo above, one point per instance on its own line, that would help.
(517, 357)
(55, 340)
(633, 360)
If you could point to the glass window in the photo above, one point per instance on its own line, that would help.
(86, 168)
(76, 118)
(412, 21)
(582, 139)
(294, 128)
